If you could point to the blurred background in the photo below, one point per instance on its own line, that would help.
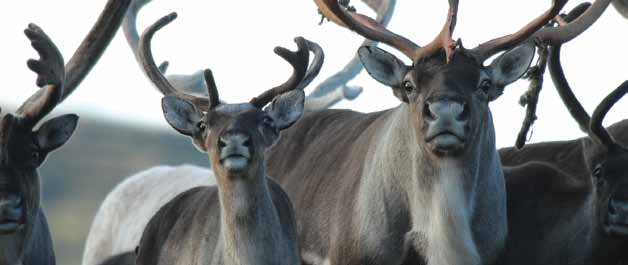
(122, 130)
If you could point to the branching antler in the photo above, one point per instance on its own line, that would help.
(299, 61)
(50, 76)
(492, 47)
(155, 75)
(57, 81)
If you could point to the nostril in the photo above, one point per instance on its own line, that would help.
(464, 114)
(427, 112)
(247, 142)
(221, 143)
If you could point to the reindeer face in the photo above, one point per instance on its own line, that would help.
(235, 136)
(23, 151)
(447, 102)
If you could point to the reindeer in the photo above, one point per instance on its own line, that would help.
(247, 218)
(419, 183)
(571, 218)
(24, 234)
(125, 211)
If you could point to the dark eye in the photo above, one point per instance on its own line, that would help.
(485, 85)
(201, 126)
(407, 86)
(268, 122)
(35, 156)
(597, 172)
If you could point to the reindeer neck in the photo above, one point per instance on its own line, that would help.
(443, 195)
(250, 225)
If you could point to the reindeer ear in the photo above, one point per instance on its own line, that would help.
(286, 109)
(181, 115)
(511, 65)
(56, 132)
(383, 66)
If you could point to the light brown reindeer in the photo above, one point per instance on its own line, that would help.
(419, 183)
(24, 235)
(247, 218)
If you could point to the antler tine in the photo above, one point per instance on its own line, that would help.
(443, 40)
(562, 34)
(94, 44)
(299, 61)
(560, 81)
(50, 75)
(489, 48)
(598, 132)
(152, 71)
(366, 27)
(315, 65)
(212, 89)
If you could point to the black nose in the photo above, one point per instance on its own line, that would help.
(234, 139)
(446, 109)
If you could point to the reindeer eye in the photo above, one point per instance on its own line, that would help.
(407, 86)
(485, 85)
(597, 172)
(268, 122)
(201, 126)
(35, 156)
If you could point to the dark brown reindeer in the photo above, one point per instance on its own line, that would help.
(558, 217)
(247, 218)
(24, 234)
(419, 183)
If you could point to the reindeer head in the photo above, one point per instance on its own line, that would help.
(23, 148)
(447, 88)
(235, 136)
(607, 161)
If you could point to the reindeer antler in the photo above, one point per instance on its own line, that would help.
(598, 132)
(50, 76)
(299, 61)
(156, 76)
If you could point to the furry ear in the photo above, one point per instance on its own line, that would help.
(181, 115)
(383, 66)
(286, 108)
(511, 65)
(56, 132)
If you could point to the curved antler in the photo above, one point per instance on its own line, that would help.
(315, 66)
(94, 44)
(598, 132)
(57, 81)
(560, 81)
(155, 75)
(366, 27)
(335, 88)
(559, 35)
(490, 48)
(50, 75)
(299, 61)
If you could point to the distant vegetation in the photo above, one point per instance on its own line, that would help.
(78, 176)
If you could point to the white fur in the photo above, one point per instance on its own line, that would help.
(121, 218)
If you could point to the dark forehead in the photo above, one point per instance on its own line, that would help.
(461, 69)
(239, 113)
